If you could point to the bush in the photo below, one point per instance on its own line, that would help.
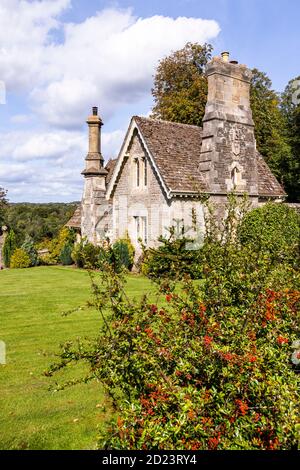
(56, 245)
(273, 228)
(29, 247)
(124, 252)
(172, 259)
(20, 259)
(65, 255)
(86, 255)
(209, 365)
(8, 248)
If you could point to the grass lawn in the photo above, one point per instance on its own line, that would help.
(31, 325)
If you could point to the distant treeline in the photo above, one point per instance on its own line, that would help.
(37, 221)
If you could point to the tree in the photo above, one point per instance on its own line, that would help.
(9, 247)
(180, 85)
(3, 203)
(271, 128)
(290, 107)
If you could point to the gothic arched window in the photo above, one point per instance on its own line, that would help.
(235, 176)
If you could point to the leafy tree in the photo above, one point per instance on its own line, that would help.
(38, 221)
(180, 86)
(290, 106)
(3, 204)
(271, 128)
(9, 247)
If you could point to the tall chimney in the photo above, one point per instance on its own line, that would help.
(225, 56)
(93, 198)
(228, 155)
(94, 159)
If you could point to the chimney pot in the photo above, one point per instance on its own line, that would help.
(225, 56)
(95, 111)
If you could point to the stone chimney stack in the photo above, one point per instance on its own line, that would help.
(93, 200)
(94, 160)
(228, 155)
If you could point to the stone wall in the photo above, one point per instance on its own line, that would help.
(130, 200)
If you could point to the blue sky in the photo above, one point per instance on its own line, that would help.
(60, 57)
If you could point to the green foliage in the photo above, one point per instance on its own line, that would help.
(20, 259)
(209, 365)
(85, 254)
(56, 246)
(172, 259)
(123, 251)
(271, 130)
(29, 247)
(65, 255)
(38, 221)
(3, 203)
(9, 247)
(291, 113)
(273, 228)
(180, 86)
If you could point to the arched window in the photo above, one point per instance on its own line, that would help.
(234, 176)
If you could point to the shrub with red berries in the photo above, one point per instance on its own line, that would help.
(209, 365)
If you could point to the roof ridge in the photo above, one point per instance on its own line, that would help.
(167, 122)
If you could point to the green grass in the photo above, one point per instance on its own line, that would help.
(31, 325)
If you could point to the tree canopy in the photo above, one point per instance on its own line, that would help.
(37, 221)
(290, 108)
(180, 86)
(3, 203)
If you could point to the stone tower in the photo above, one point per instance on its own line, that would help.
(93, 200)
(228, 157)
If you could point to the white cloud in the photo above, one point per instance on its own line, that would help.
(47, 165)
(108, 60)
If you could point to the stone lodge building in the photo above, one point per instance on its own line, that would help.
(163, 168)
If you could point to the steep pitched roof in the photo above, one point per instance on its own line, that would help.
(175, 149)
(75, 220)
(110, 166)
(268, 185)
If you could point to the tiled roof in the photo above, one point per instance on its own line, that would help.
(110, 166)
(75, 221)
(268, 185)
(175, 149)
